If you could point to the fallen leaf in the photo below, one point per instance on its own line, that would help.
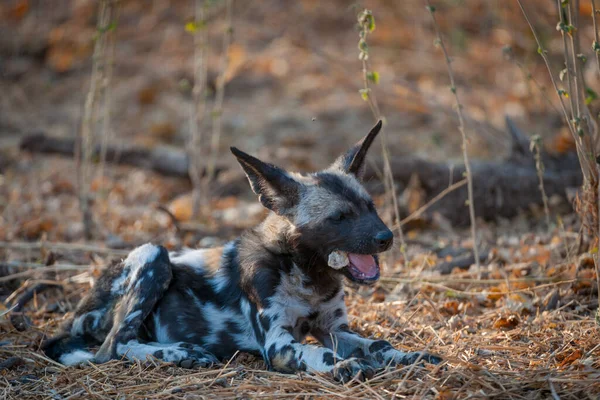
(445, 394)
(378, 295)
(570, 359)
(181, 207)
(450, 307)
(507, 323)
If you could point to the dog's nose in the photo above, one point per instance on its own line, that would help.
(384, 239)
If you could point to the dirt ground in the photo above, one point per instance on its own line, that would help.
(526, 329)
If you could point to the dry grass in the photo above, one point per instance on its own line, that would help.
(493, 334)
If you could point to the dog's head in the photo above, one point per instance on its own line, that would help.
(333, 216)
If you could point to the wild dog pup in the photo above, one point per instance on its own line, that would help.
(262, 293)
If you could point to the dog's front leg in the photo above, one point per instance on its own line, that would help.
(284, 354)
(379, 353)
(331, 329)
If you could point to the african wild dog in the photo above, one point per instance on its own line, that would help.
(262, 293)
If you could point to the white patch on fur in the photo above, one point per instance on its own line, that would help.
(119, 283)
(76, 357)
(312, 355)
(327, 319)
(191, 258)
(138, 258)
(245, 307)
(132, 316)
(245, 339)
(229, 246)
(160, 331)
(220, 280)
(216, 319)
(293, 297)
(77, 327)
(136, 350)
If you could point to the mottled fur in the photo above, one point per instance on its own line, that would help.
(262, 293)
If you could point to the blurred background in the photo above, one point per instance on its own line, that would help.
(291, 96)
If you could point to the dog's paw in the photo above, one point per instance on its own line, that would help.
(416, 356)
(186, 356)
(352, 368)
(197, 358)
(193, 363)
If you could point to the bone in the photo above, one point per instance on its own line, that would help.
(338, 259)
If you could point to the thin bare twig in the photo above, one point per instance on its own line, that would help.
(596, 44)
(543, 54)
(84, 155)
(461, 128)
(217, 110)
(535, 147)
(366, 22)
(434, 200)
(36, 268)
(106, 112)
(198, 106)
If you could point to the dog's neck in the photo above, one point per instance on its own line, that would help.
(276, 239)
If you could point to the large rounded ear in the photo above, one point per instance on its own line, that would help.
(353, 161)
(276, 189)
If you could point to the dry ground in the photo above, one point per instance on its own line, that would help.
(525, 330)
(495, 335)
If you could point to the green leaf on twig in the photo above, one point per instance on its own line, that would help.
(590, 96)
(193, 26)
(373, 76)
(371, 23)
(366, 20)
(110, 27)
(364, 94)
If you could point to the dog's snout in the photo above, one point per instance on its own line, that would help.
(384, 239)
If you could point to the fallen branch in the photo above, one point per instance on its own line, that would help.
(501, 188)
(461, 128)
(163, 160)
(36, 268)
(62, 246)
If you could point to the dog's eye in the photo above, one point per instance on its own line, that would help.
(338, 216)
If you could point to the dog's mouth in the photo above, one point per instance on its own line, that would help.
(361, 268)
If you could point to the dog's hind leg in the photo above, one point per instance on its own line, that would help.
(146, 277)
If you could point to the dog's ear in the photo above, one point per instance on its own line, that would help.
(353, 161)
(275, 188)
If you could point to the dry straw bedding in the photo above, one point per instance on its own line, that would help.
(521, 338)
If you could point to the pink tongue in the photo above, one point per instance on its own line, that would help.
(364, 263)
